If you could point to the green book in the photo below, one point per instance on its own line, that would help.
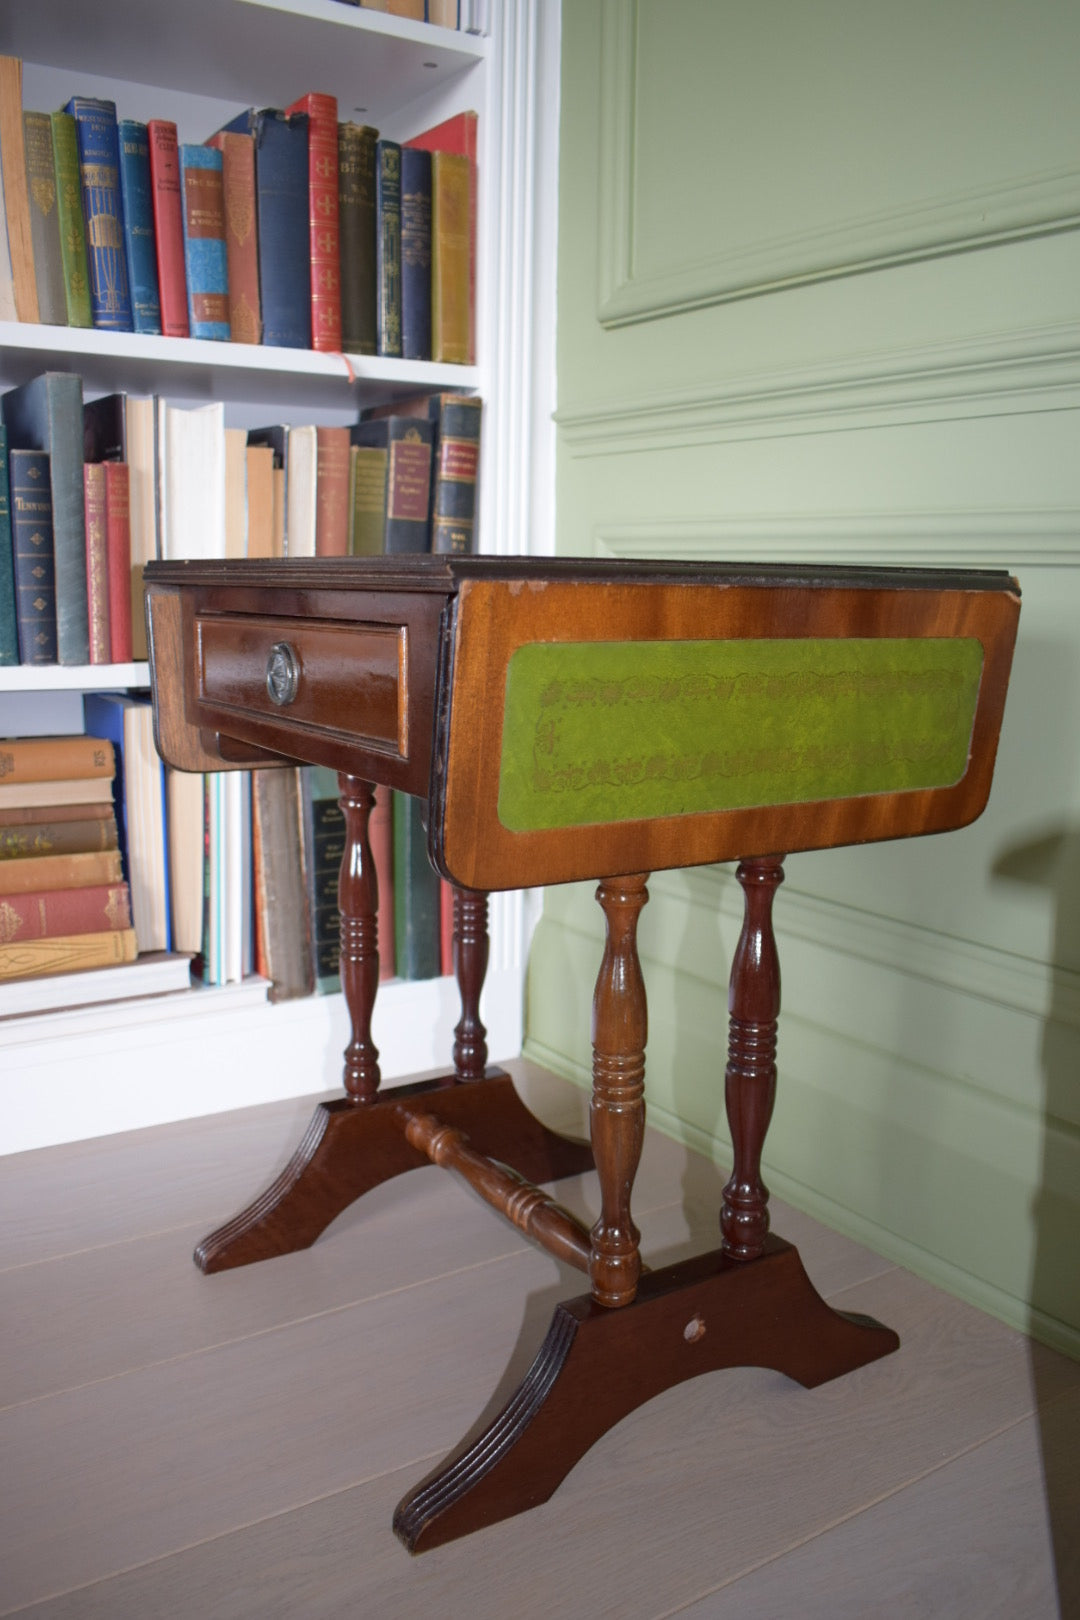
(416, 894)
(72, 225)
(367, 481)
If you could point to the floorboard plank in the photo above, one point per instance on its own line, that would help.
(734, 1468)
(970, 1539)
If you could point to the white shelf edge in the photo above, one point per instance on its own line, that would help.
(181, 353)
(472, 47)
(74, 677)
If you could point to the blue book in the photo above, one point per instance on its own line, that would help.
(202, 192)
(103, 211)
(415, 254)
(388, 248)
(47, 414)
(32, 529)
(282, 212)
(139, 240)
(9, 625)
(139, 801)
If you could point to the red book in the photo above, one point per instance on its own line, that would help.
(54, 913)
(323, 213)
(118, 547)
(168, 226)
(459, 135)
(332, 492)
(241, 240)
(97, 561)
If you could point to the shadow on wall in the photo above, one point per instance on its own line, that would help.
(1052, 861)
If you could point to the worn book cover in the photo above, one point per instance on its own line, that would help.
(70, 219)
(32, 548)
(44, 218)
(205, 258)
(168, 226)
(139, 241)
(323, 231)
(388, 248)
(356, 214)
(103, 211)
(282, 220)
(241, 238)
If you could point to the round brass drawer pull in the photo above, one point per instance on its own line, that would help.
(282, 674)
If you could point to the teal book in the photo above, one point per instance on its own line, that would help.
(139, 241)
(32, 544)
(47, 414)
(9, 627)
(416, 894)
(202, 194)
(103, 211)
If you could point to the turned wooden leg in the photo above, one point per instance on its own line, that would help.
(358, 904)
(750, 1076)
(617, 1114)
(470, 968)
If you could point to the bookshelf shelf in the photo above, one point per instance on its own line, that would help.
(126, 1064)
(250, 52)
(192, 367)
(74, 678)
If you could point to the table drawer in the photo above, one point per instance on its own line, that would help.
(347, 680)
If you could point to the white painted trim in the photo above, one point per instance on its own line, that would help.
(1029, 369)
(1046, 537)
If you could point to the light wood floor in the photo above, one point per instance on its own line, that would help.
(175, 1445)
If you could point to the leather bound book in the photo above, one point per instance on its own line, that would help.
(323, 232)
(415, 254)
(241, 238)
(416, 894)
(103, 211)
(9, 625)
(204, 242)
(168, 226)
(56, 759)
(281, 186)
(459, 135)
(388, 248)
(139, 240)
(37, 844)
(282, 908)
(455, 466)
(70, 953)
(61, 812)
(16, 190)
(356, 221)
(52, 913)
(450, 322)
(32, 531)
(118, 549)
(105, 428)
(332, 492)
(97, 561)
(408, 443)
(70, 220)
(26, 874)
(44, 218)
(46, 414)
(367, 485)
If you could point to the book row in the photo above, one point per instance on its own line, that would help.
(90, 492)
(120, 857)
(286, 227)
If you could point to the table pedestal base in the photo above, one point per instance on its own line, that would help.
(350, 1147)
(596, 1365)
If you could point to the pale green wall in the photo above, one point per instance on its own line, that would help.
(723, 393)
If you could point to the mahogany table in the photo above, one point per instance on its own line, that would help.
(563, 720)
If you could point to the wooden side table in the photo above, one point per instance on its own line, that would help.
(567, 720)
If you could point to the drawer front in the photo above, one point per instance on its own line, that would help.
(339, 680)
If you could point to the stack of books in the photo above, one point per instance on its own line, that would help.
(285, 227)
(65, 903)
(91, 492)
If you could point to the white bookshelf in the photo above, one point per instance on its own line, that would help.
(121, 1065)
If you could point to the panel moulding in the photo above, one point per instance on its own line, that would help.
(1046, 537)
(1003, 210)
(1031, 369)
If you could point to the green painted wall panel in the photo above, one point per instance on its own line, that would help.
(925, 410)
